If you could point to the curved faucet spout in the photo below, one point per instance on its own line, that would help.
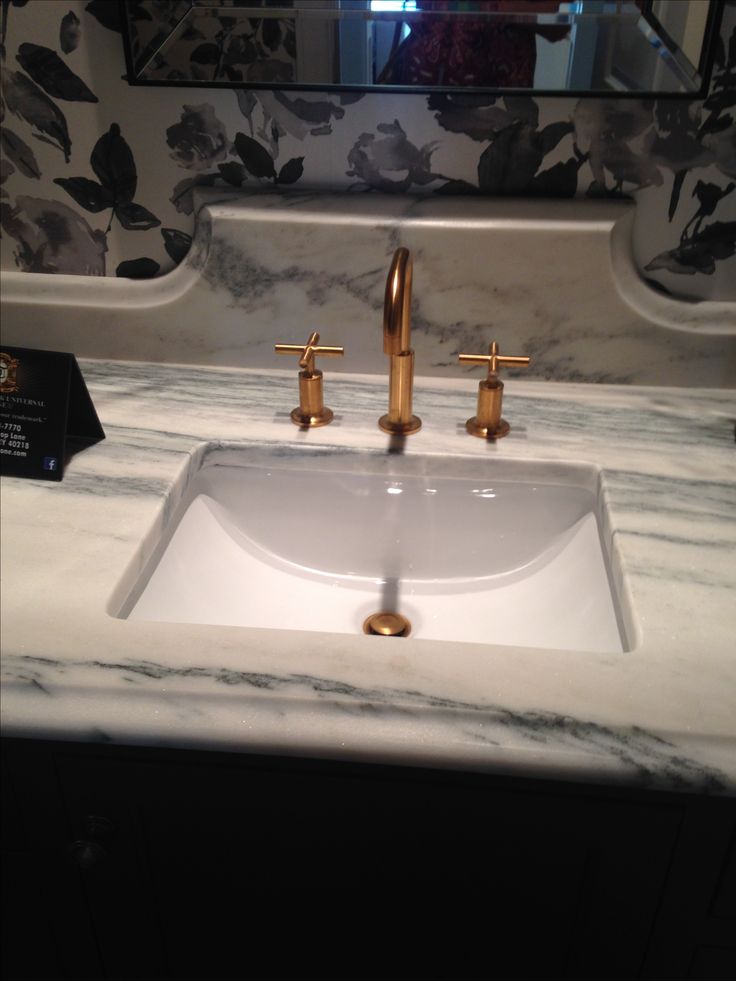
(397, 304)
(399, 420)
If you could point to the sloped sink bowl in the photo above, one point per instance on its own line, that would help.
(482, 551)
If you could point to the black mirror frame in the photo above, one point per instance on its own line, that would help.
(705, 69)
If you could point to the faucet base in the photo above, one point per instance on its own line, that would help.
(476, 428)
(321, 417)
(388, 425)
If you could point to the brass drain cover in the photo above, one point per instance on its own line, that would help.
(387, 625)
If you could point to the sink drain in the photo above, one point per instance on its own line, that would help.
(387, 625)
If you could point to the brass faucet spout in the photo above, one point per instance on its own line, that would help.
(397, 305)
(399, 421)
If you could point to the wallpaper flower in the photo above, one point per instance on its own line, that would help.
(97, 177)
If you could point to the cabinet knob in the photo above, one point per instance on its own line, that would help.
(92, 849)
(87, 854)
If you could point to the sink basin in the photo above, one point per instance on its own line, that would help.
(467, 549)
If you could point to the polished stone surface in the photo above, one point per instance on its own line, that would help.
(660, 715)
(550, 279)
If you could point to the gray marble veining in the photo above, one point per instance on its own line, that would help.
(553, 280)
(661, 715)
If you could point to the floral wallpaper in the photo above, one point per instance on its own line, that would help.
(97, 176)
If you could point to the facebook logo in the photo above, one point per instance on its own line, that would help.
(50, 463)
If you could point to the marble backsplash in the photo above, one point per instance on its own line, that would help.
(553, 280)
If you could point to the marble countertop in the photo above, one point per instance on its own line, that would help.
(662, 715)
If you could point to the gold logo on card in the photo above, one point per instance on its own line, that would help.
(8, 378)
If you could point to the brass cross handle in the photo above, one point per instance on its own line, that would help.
(487, 423)
(308, 351)
(494, 360)
(311, 410)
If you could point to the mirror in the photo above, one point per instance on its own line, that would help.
(641, 47)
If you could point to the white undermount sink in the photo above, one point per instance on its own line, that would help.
(482, 551)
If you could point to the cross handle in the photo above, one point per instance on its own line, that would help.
(494, 360)
(307, 352)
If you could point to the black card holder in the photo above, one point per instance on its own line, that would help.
(45, 412)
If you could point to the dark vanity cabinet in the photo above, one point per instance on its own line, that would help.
(125, 863)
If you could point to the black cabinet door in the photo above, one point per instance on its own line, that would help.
(46, 927)
(694, 938)
(212, 861)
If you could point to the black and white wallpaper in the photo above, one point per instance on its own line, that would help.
(97, 176)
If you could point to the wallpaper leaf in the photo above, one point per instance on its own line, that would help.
(182, 195)
(552, 134)
(510, 162)
(291, 171)
(241, 50)
(138, 9)
(233, 173)
(559, 180)
(26, 100)
(47, 69)
(289, 41)
(675, 195)
(176, 243)
(247, 103)
(136, 218)
(709, 196)
(232, 74)
(700, 253)
(476, 116)
(206, 54)
(143, 268)
(257, 159)
(107, 12)
(87, 193)
(318, 113)
(20, 153)
(192, 33)
(6, 170)
(458, 187)
(112, 162)
(722, 144)
(271, 34)
(678, 148)
(716, 123)
(523, 107)
(70, 33)
(720, 100)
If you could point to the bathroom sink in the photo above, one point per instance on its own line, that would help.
(466, 549)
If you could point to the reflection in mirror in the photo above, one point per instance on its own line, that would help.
(585, 46)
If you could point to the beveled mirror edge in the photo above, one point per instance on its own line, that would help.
(705, 69)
